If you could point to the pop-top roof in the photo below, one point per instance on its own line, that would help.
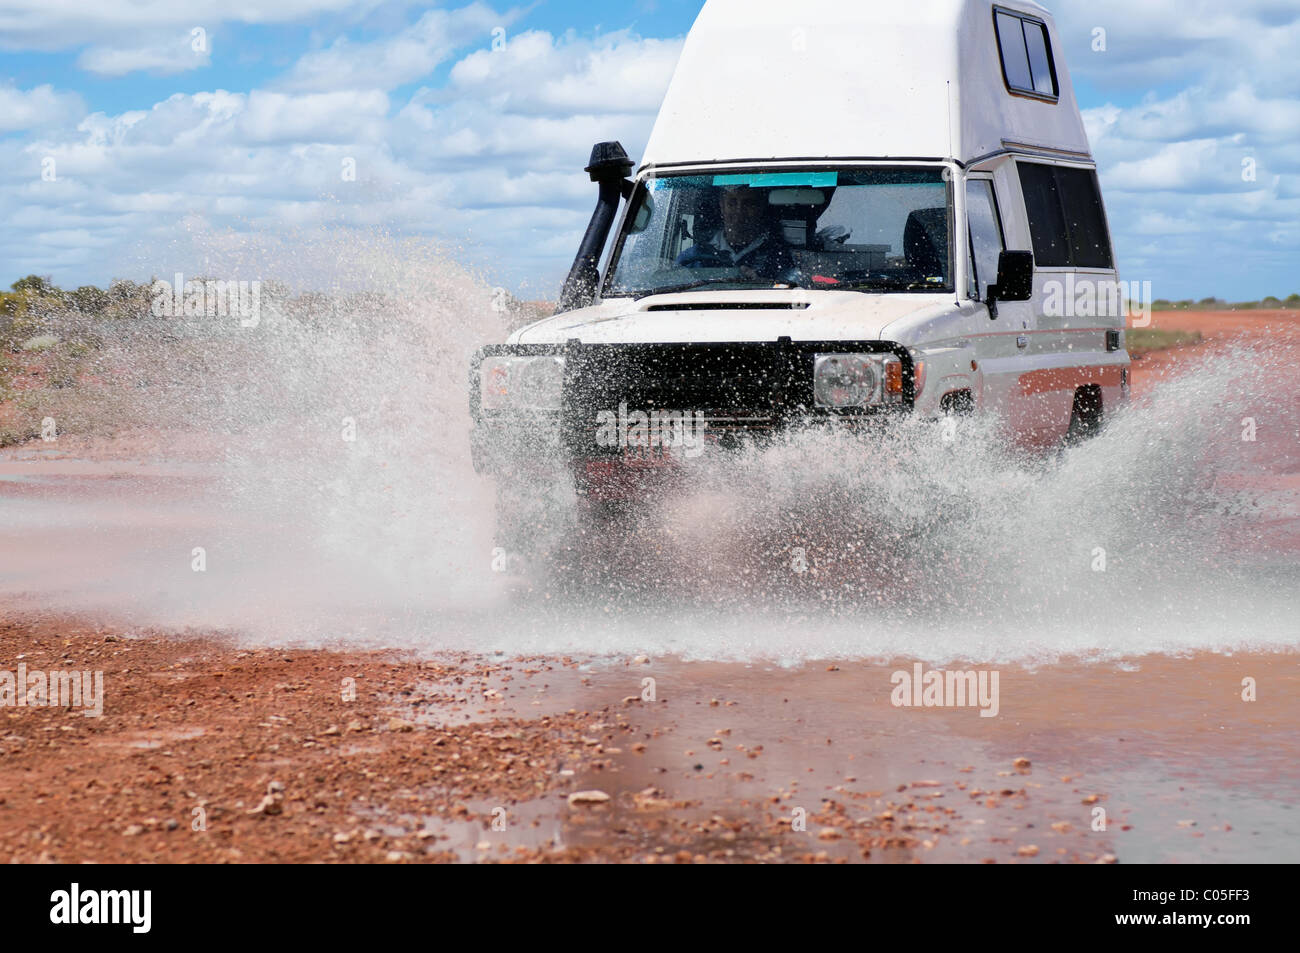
(788, 79)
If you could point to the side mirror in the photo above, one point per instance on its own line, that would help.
(1015, 280)
(1015, 276)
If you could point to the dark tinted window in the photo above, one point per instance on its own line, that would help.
(1046, 221)
(1015, 58)
(1085, 217)
(1066, 217)
(1040, 60)
(1026, 54)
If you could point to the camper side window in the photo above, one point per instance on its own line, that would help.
(1026, 51)
(1085, 217)
(1066, 218)
(986, 240)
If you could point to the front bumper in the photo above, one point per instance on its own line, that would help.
(740, 391)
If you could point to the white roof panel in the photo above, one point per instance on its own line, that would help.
(785, 79)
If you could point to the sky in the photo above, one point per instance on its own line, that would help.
(127, 123)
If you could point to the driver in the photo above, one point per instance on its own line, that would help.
(749, 239)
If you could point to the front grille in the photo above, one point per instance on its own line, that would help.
(751, 387)
(727, 379)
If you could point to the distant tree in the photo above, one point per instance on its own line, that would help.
(90, 300)
(310, 306)
(36, 285)
(1293, 301)
(275, 291)
(119, 289)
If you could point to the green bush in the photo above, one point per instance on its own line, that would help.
(90, 300)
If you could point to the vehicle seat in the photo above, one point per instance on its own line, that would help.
(799, 225)
(925, 241)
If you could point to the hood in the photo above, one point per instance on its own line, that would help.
(746, 315)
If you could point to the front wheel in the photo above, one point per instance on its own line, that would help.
(1086, 415)
(532, 518)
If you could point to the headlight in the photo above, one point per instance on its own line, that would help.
(522, 383)
(857, 380)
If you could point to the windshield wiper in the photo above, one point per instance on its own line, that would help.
(887, 283)
(702, 282)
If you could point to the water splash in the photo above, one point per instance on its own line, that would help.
(907, 543)
(345, 508)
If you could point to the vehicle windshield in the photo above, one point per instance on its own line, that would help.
(878, 229)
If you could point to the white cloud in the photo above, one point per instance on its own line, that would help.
(34, 108)
(1201, 112)
(67, 24)
(1197, 165)
(1157, 42)
(535, 73)
(337, 117)
(1195, 148)
(174, 53)
(409, 55)
(117, 37)
(493, 166)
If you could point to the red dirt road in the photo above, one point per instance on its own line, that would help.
(1270, 331)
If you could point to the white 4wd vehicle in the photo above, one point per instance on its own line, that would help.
(845, 212)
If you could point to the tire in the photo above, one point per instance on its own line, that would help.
(958, 403)
(530, 519)
(1086, 416)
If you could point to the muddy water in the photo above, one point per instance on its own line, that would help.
(1184, 769)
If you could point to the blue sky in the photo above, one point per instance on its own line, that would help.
(164, 144)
